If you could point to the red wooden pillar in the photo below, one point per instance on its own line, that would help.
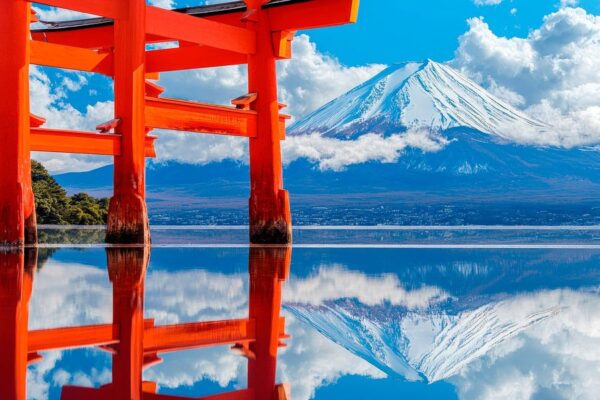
(270, 219)
(17, 211)
(16, 278)
(269, 267)
(128, 215)
(127, 269)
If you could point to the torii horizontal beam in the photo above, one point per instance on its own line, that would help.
(285, 15)
(178, 26)
(159, 339)
(102, 393)
(191, 57)
(191, 116)
(199, 117)
(80, 142)
(70, 57)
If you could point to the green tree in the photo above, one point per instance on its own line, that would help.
(54, 206)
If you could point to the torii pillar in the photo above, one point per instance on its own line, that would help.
(17, 210)
(127, 214)
(16, 280)
(268, 268)
(127, 270)
(270, 218)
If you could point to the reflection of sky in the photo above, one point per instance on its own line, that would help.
(436, 298)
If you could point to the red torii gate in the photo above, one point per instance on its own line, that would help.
(136, 343)
(253, 32)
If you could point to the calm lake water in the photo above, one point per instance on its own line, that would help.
(461, 313)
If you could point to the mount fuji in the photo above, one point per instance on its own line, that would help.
(480, 171)
(409, 95)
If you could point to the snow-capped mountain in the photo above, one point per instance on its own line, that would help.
(408, 95)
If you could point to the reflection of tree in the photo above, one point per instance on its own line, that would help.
(43, 256)
(71, 236)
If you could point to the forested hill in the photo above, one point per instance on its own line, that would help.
(54, 206)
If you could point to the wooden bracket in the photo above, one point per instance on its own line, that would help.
(35, 121)
(243, 350)
(282, 44)
(34, 357)
(244, 102)
(106, 127)
(153, 89)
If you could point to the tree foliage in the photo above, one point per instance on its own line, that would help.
(54, 206)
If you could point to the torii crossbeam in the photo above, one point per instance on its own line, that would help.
(253, 32)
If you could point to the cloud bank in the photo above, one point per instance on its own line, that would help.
(552, 73)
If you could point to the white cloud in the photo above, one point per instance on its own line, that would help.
(487, 2)
(327, 153)
(552, 73)
(336, 154)
(49, 99)
(53, 14)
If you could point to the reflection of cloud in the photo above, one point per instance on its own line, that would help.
(217, 364)
(38, 376)
(174, 297)
(559, 358)
(336, 282)
(68, 295)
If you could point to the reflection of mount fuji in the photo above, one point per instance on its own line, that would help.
(416, 345)
(479, 165)
(486, 303)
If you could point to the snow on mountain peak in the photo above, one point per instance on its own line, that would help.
(411, 95)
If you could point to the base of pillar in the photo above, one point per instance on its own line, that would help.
(31, 233)
(127, 221)
(16, 230)
(273, 232)
(270, 221)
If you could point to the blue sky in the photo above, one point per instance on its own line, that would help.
(392, 31)
(539, 56)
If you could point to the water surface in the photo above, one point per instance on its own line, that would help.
(457, 313)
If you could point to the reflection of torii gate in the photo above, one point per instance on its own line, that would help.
(136, 343)
(253, 32)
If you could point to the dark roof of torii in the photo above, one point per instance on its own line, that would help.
(199, 11)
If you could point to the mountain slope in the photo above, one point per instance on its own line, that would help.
(409, 95)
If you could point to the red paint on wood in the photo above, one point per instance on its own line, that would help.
(16, 279)
(17, 211)
(270, 218)
(268, 269)
(128, 215)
